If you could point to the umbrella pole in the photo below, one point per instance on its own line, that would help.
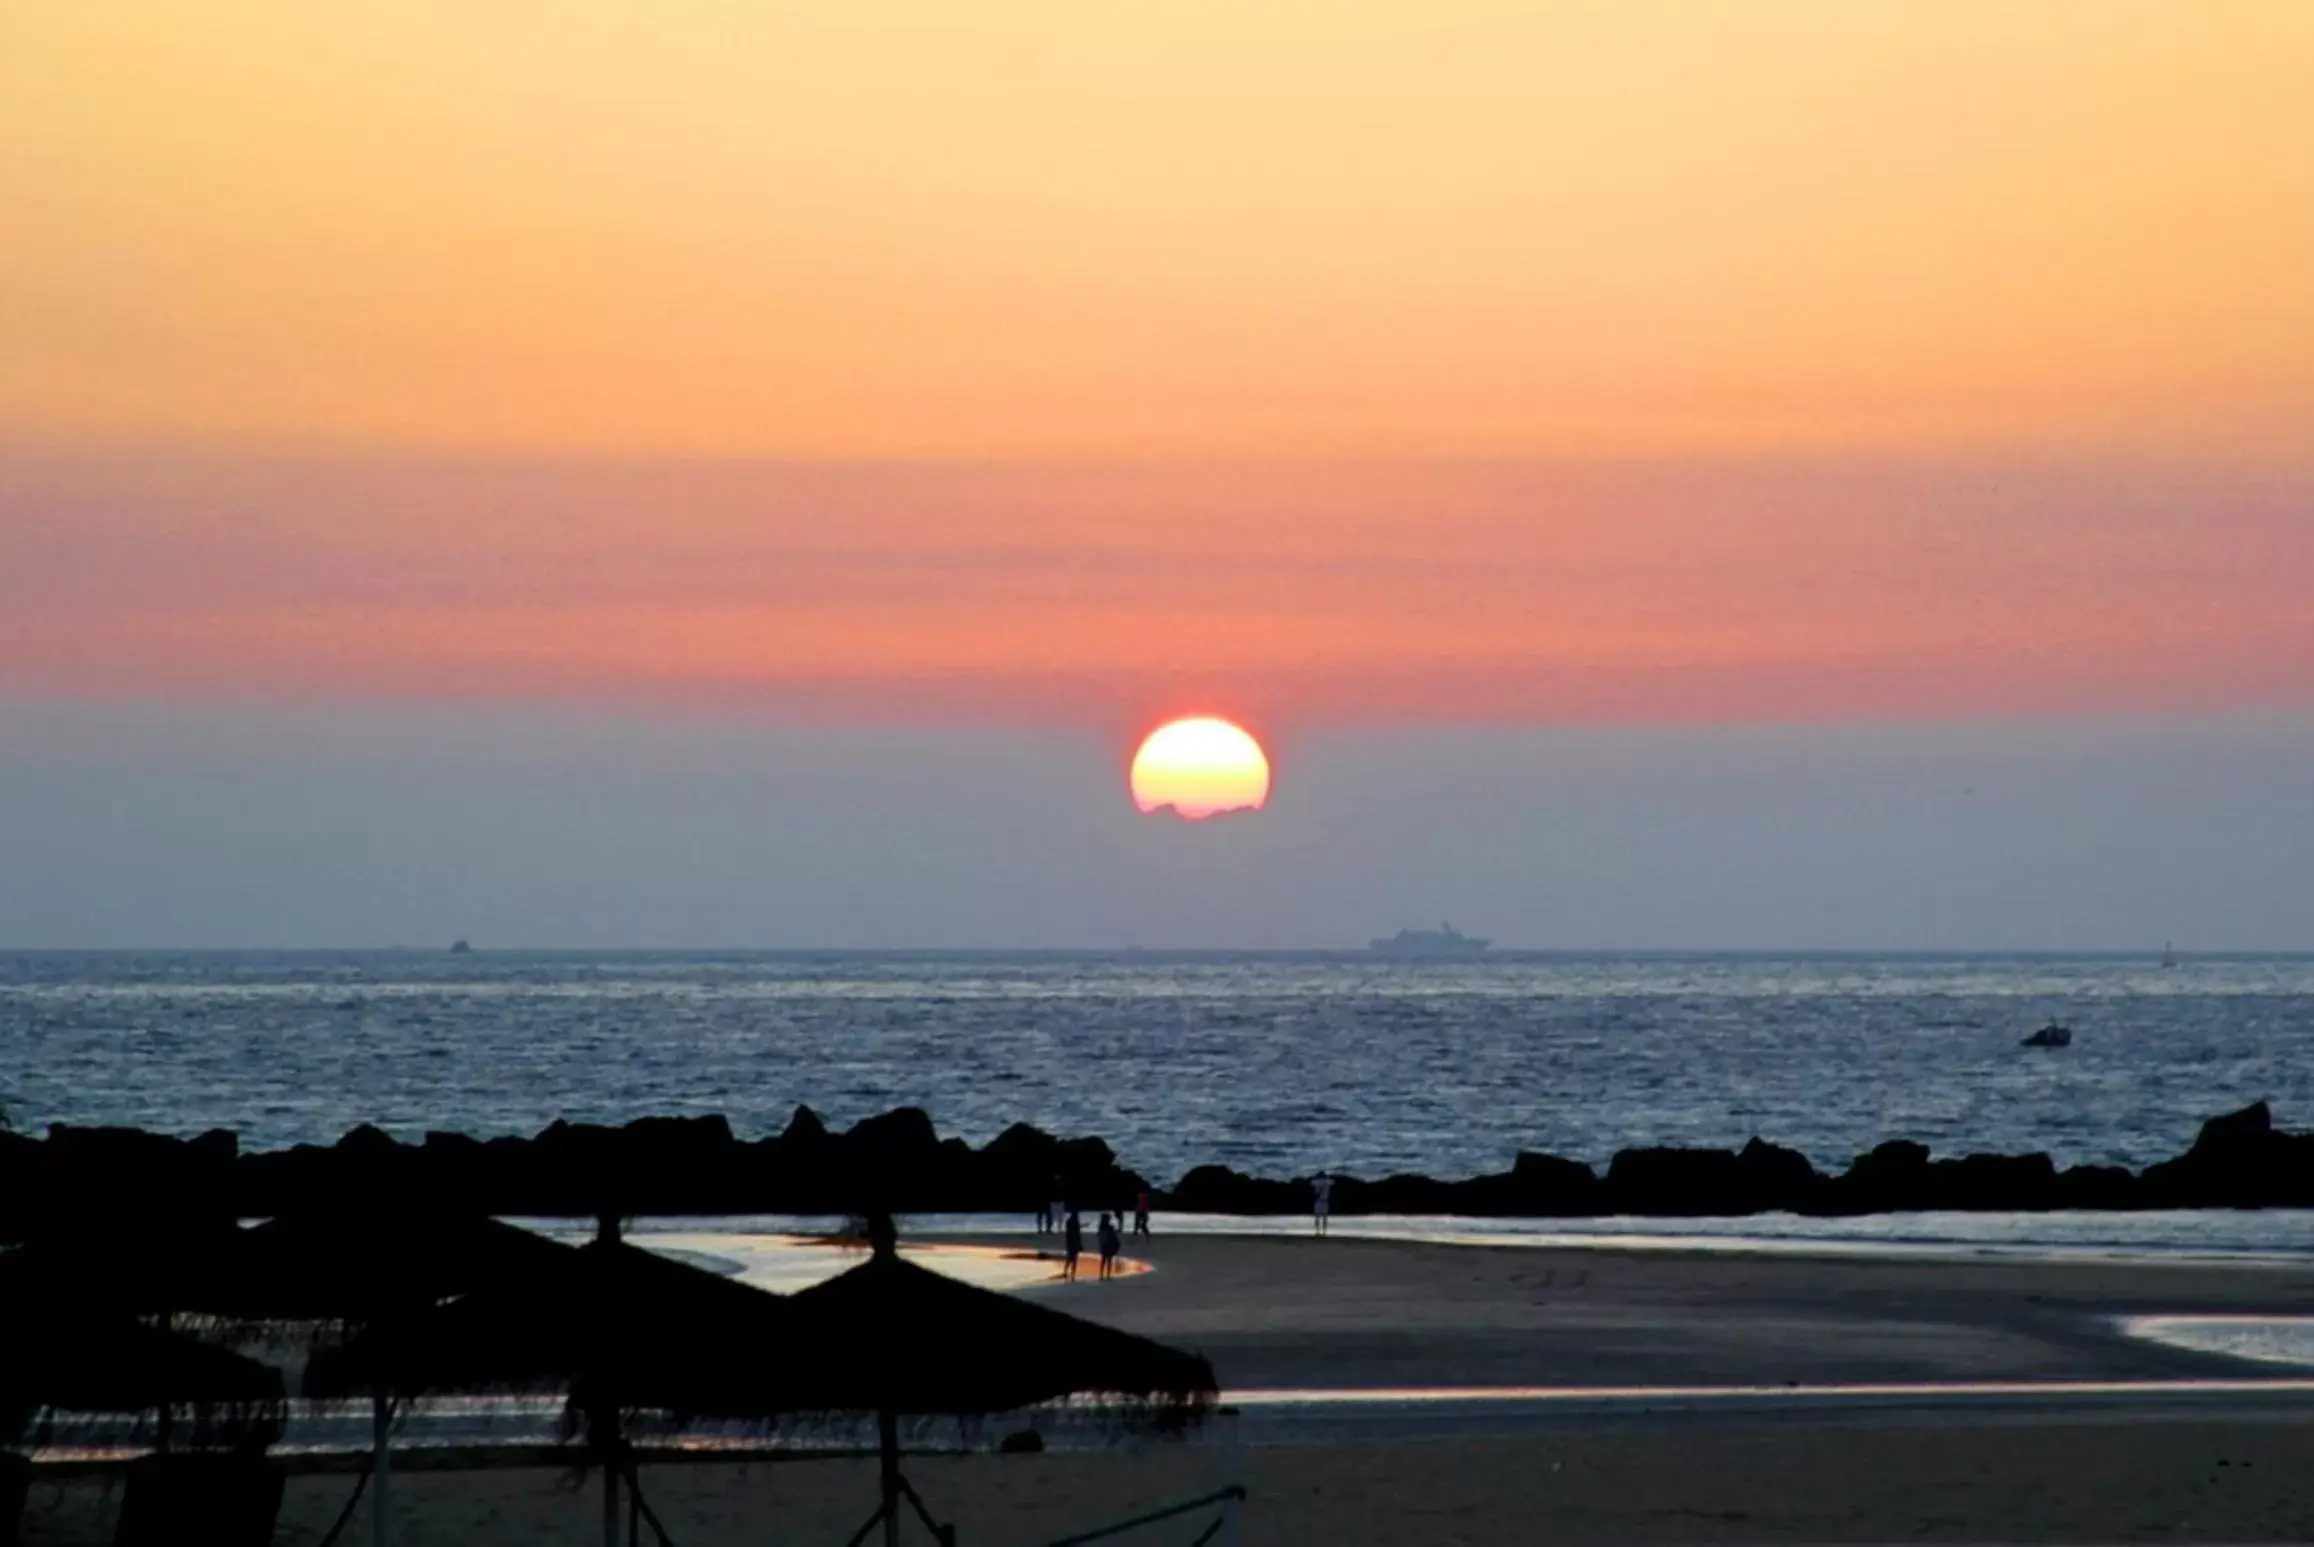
(888, 1442)
(605, 1429)
(1233, 1508)
(167, 1419)
(381, 1416)
(610, 1501)
(603, 1416)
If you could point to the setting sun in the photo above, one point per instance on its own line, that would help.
(1198, 768)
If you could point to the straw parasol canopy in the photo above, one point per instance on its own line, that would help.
(898, 1340)
(344, 1268)
(891, 1337)
(616, 1327)
(607, 1321)
(364, 1268)
(119, 1272)
(63, 1355)
(373, 1263)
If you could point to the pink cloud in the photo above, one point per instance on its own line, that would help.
(1323, 593)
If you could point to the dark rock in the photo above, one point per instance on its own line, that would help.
(898, 1160)
(2235, 1132)
(23, 1185)
(1893, 1175)
(1024, 1144)
(1219, 1190)
(2097, 1187)
(2239, 1160)
(701, 1136)
(125, 1178)
(1401, 1193)
(1674, 1181)
(1992, 1182)
(1778, 1172)
(1550, 1176)
(1024, 1168)
(368, 1143)
(900, 1135)
(1537, 1184)
(1666, 1180)
(1896, 1157)
(804, 1129)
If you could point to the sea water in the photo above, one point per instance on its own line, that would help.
(1278, 1064)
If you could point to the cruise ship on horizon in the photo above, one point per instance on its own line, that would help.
(1444, 942)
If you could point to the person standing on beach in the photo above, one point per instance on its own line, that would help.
(1321, 1201)
(1110, 1245)
(1072, 1244)
(1141, 1214)
(1059, 1207)
(1044, 1218)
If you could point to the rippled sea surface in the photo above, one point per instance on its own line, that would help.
(1274, 1063)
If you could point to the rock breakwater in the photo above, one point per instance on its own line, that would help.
(118, 1177)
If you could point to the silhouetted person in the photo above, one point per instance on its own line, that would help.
(1059, 1207)
(1072, 1244)
(1141, 1213)
(1044, 1218)
(883, 1234)
(1321, 1201)
(1110, 1245)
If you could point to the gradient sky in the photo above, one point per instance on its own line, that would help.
(874, 228)
(1445, 389)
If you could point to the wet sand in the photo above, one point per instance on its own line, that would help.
(1276, 1312)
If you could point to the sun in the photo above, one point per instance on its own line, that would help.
(1198, 768)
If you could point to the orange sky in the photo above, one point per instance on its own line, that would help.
(1773, 359)
(902, 228)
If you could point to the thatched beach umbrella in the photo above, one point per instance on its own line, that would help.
(617, 1328)
(363, 1268)
(66, 1348)
(377, 1269)
(66, 1363)
(65, 1356)
(371, 1266)
(898, 1340)
(119, 1272)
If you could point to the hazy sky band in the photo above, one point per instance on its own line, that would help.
(1728, 589)
(240, 825)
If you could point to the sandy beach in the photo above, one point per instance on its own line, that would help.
(2053, 1482)
(1287, 1313)
(1282, 1312)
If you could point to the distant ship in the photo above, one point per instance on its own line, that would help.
(2051, 1035)
(459, 947)
(1444, 942)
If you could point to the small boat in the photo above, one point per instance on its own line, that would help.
(459, 947)
(2051, 1035)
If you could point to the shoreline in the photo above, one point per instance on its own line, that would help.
(2283, 1236)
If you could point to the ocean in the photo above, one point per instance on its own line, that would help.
(1274, 1063)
